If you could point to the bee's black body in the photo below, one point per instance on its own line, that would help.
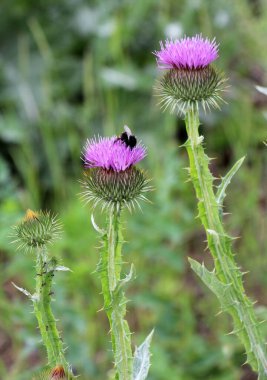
(129, 140)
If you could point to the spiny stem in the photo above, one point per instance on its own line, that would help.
(114, 249)
(114, 299)
(241, 308)
(42, 307)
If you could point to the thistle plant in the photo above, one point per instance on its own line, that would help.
(191, 82)
(33, 235)
(112, 180)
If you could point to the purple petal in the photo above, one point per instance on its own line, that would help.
(188, 52)
(111, 153)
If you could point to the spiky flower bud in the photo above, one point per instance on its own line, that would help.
(57, 373)
(111, 177)
(190, 79)
(181, 88)
(36, 230)
(112, 187)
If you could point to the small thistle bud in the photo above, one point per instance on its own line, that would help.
(58, 373)
(36, 230)
(44, 375)
(190, 79)
(111, 177)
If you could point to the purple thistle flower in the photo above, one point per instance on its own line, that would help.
(188, 53)
(112, 153)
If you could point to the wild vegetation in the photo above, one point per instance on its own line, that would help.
(70, 70)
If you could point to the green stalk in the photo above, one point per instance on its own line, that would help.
(114, 298)
(226, 281)
(42, 309)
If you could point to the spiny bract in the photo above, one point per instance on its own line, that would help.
(113, 188)
(37, 229)
(182, 88)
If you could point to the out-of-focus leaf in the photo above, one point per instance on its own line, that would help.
(141, 361)
(261, 89)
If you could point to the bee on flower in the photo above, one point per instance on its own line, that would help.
(111, 176)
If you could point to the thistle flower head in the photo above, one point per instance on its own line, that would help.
(114, 153)
(187, 53)
(111, 177)
(190, 79)
(37, 229)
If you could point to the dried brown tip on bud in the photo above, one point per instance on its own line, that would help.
(58, 373)
(31, 215)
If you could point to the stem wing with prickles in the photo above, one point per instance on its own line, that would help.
(226, 279)
(220, 195)
(109, 269)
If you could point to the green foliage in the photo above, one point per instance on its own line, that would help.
(141, 360)
(45, 271)
(115, 301)
(221, 194)
(69, 70)
(35, 232)
(226, 280)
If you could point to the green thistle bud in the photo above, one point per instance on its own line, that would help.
(44, 375)
(37, 229)
(114, 188)
(180, 88)
(57, 373)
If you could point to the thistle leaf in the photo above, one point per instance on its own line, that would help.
(141, 361)
(121, 284)
(229, 304)
(62, 268)
(211, 281)
(261, 89)
(96, 227)
(220, 195)
(22, 290)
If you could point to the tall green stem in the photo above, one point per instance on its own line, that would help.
(114, 299)
(42, 308)
(219, 243)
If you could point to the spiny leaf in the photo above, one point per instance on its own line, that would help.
(62, 268)
(220, 195)
(22, 290)
(235, 308)
(121, 284)
(261, 89)
(211, 281)
(141, 361)
(96, 227)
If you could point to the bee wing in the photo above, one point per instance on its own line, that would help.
(127, 130)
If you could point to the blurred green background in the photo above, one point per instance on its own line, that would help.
(70, 69)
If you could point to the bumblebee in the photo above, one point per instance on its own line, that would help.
(128, 138)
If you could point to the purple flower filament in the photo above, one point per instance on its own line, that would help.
(112, 153)
(188, 53)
